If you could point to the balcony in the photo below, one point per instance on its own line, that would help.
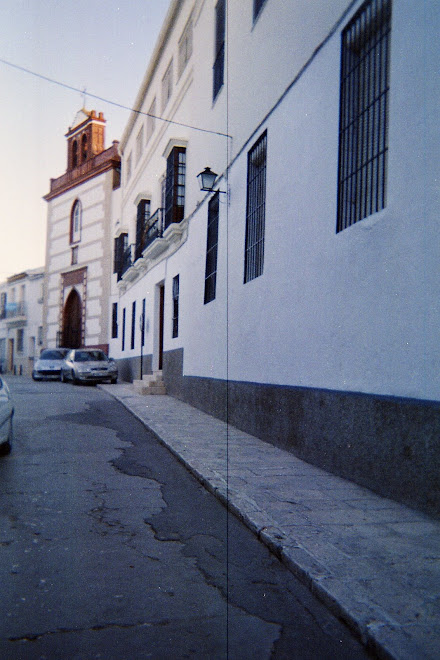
(155, 239)
(14, 313)
(14, 310)
(153, 229)
(127, 259)
(100, 163)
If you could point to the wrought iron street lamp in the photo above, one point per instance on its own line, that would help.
(207, 179)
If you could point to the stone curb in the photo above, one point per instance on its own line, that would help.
(380, 635)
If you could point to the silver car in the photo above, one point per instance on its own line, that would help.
(6, 415)
(88, 366)
(49, 363)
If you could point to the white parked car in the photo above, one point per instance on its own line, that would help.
(88, 365)
(6, 415)
(49, 363)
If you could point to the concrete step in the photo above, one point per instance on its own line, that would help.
(155, 390)
(140, 387)
(150, 384)
(155, 377)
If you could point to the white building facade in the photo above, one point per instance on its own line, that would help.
(81, 204)
(21, 321)
(301, 301)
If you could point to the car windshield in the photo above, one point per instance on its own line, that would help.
(52, 355)
(90, 356)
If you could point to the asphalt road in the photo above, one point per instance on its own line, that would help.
(110, 549)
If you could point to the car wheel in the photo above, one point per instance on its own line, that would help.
(114, 381)
(33, 376)
(6, 447)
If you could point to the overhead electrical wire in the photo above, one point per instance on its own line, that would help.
(115, 103)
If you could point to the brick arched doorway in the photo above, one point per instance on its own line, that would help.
(72, 321)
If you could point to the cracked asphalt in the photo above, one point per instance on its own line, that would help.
(111, 549)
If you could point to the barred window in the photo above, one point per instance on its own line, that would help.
(363, 122)
(120, 245)
(123, 329)
(176, 306)
(167, 85)
(143, 323)
(20, 340)
(114, 320)
(139, 144)
(255, 210)
(211, 249)
(185, 46)
(151, 119)
(143, 216)
(133, 323)
(128, 170)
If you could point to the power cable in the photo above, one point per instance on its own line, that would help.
(104, 100)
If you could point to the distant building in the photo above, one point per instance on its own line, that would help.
(21, 321)
(81, 204)
(302, 305)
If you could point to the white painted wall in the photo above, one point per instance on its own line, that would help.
(28, 289)
(355, 311)
(94, 251)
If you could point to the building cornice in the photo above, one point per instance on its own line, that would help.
(106, 160)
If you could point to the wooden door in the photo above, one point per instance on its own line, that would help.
(72, 321)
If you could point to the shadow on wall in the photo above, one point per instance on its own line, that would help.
(387, 444)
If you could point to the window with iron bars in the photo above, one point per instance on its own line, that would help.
(151, 120)
(143, 323)
(143, 215)
(133, 323)
(3, 300)
(255, 210)
(121, 244)
(176, 306)
(123, 329)
(211, 249)
(175, 186)
(219, 61)
(20, 340)
(363, 122)
(185, 46)
(114, 320)
(167, 85)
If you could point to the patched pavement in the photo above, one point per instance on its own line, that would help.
(375, 563)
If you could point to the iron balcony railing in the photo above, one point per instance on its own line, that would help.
(84, 169)
(13, 310)
(154, 228)
(127, 258)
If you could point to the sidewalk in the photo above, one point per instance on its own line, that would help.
(373, 562)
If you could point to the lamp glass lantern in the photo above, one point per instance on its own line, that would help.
(207, 179)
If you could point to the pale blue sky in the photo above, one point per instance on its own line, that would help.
(102, 45)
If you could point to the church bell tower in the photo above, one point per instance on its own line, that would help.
(85, 138)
